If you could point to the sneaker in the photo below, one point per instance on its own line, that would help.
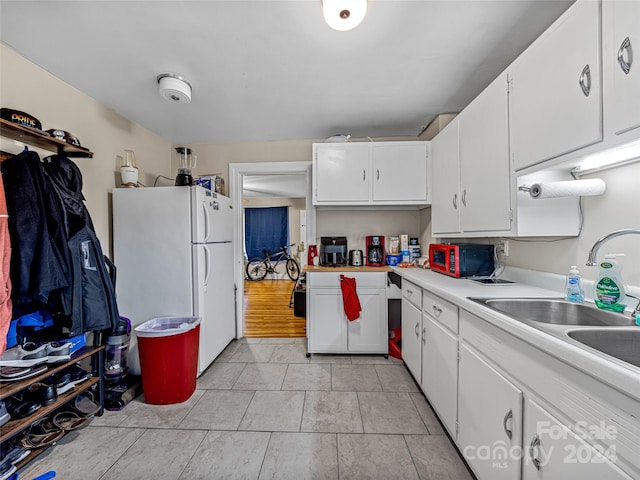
(58, 352)
(13, 452)
(14, 374)
(69, 378)
(25, 355)
(4, 415)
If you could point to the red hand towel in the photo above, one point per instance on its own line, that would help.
(350, 298)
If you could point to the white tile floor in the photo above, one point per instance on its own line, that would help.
(265, 411)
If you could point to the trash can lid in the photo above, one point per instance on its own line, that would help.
(166, 326)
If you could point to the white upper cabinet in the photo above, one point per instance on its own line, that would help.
(370, 173)
(399, 172)
(621, 39)
(471, 170)
(485, 188)
(556, 96)
(445, 170)
(341, 172)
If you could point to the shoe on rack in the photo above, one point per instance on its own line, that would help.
(20, 406)
(42, 393)
(4, 415)
(26, 355)
(13, 452)
(14, 374)
(7, 469)
(42, 433)
(58, 352)
(85, 405)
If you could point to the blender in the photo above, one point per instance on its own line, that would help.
(186, 162)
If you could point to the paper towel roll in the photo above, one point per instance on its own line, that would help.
(571, 188)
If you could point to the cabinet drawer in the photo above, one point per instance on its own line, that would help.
(412, 293)
(332, 279)
(443, 311)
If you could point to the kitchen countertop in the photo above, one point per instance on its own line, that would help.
(346, 268)
(619, 375)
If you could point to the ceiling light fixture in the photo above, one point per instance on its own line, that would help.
(344, 15)
(174, 88)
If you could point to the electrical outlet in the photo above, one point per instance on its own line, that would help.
(503, 248)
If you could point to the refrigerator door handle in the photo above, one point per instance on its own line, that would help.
(207, 222)
(207, 261)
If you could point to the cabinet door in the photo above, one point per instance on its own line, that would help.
(556, 100)
(326, 323)
(411, 343)
(552, 451)
(490, 417)
(485, 187)
(445, 216)
(370, 332)
(341, 172)
(621, 27)
(400, 172)
(440, 371)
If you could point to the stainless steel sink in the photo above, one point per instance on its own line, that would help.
(552, 311)
(621, 343)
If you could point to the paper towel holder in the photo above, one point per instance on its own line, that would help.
(174, 88)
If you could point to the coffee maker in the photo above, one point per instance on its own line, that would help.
(375, 250)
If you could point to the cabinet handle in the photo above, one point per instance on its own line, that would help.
(585, 80)
(437, 311)
(364, 175)
(464, 197)
(535, 443)
(424, 335)
(507, 417)
(416, 330)
(455, 201)
(625, 46)
(409, 292)
(377, 174)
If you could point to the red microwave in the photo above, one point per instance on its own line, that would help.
(462, 259)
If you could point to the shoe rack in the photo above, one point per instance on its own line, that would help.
(7, 389)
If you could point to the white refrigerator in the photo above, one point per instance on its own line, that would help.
(173, 253)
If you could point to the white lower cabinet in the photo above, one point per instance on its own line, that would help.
(505, 432)
(412, 328)
(440, 371)
(490, 419)
(553, 451)
(329, 330)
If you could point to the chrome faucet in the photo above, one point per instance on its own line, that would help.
(593, 253)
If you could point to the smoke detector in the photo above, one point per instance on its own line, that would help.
(174, 88)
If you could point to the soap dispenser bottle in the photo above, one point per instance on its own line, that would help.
(573, 291)
(608, 291)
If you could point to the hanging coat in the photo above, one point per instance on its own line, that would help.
(5, 279)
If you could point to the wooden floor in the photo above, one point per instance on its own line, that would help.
(267, 312)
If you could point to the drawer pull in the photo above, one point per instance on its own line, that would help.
(416, 329)
(505, 420)
(437, 311)
(535, 444)
(625, 65)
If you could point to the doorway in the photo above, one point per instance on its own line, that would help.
(238, 172)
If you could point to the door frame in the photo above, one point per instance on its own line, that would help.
(236, 173)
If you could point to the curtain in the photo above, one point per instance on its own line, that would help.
(265, 228)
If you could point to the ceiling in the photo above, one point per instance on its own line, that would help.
(269, 70)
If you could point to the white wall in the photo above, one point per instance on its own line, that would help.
(25, 86)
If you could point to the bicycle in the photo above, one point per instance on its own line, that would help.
(257, 268)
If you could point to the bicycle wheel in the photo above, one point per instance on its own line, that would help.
(293, 270)
(256, 269)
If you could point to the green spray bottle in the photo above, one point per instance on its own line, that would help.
(608, 290)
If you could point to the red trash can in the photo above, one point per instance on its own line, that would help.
(168, 348)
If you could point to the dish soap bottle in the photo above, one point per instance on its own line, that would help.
(573, 291)
(608, 290)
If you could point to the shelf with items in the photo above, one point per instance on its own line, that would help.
(42, 140)
(14, 427)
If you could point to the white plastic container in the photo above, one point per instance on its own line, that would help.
(573, 291)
